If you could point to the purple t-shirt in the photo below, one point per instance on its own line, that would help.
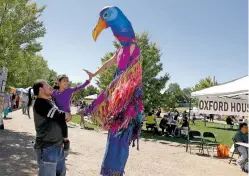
(62, 99)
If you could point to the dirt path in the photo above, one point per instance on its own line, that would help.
(154, 158)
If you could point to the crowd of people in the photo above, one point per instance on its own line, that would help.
(52, 106)
(14, 101)
(232, 120)
(170, 124)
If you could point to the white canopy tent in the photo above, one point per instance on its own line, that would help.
(91, 97)
(230, 98)
(236, 89)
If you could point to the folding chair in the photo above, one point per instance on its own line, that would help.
(150, 126)
(235, 151)
(194, 138)
(209, 140)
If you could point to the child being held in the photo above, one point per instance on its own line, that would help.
(62, 95)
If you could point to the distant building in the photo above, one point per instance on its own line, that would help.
(89, 99)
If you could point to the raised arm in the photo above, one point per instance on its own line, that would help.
(104, 67)
(77, 88)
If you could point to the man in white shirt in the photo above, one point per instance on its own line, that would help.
(245, 120)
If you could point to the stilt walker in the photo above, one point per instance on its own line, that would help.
(118, 108)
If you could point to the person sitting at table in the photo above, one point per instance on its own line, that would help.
(185, 123)
(163, 123)
(229, 121)
(184, 114)
(242, 136)
(243, 120)
(170, 118)
(151, 121)
(185, 127)
(176, 115)
(171, 125)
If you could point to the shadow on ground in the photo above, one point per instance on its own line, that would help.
(7, 118)
(89, 128)
(150, 136)
(17, 156)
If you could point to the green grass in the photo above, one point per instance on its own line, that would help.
(223, 136)
(76, 119)
(181, 110)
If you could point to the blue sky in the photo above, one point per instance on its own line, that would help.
(197, 38)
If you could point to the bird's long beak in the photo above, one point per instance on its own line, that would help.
(99, 27)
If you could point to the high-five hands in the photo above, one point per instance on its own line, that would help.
(90, 74)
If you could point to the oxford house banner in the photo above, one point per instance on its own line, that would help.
(223, 106)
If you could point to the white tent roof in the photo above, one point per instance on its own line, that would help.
(237, 89)
(91, 97)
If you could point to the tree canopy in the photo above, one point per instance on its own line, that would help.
(20, 28)
(204, 83)
(173, 96)
(90, 90)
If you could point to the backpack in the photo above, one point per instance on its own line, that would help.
(222, 151)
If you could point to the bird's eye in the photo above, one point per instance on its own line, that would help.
(105, 15)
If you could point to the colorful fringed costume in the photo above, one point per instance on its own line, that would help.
(119, 106)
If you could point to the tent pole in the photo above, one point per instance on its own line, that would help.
(189, 107)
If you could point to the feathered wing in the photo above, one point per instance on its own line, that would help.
(121, 100)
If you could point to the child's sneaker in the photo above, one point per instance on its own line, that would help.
(66, 145)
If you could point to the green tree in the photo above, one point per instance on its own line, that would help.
(186, 94)
(173, 96)
(80, 94)
(19, 31)
(152, 83)
(91, 90)
(104, 79)
(27, 69)
(51, 77)
(19, 28)
(203, 84)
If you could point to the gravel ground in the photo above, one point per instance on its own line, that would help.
(157, 158)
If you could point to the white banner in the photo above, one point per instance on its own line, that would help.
(223, 106)
(3, 79)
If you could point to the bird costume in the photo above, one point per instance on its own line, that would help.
(118, 108)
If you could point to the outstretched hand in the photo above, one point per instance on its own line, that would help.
(68, 117)
(90, 74)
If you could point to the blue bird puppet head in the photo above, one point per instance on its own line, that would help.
(114, 18)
